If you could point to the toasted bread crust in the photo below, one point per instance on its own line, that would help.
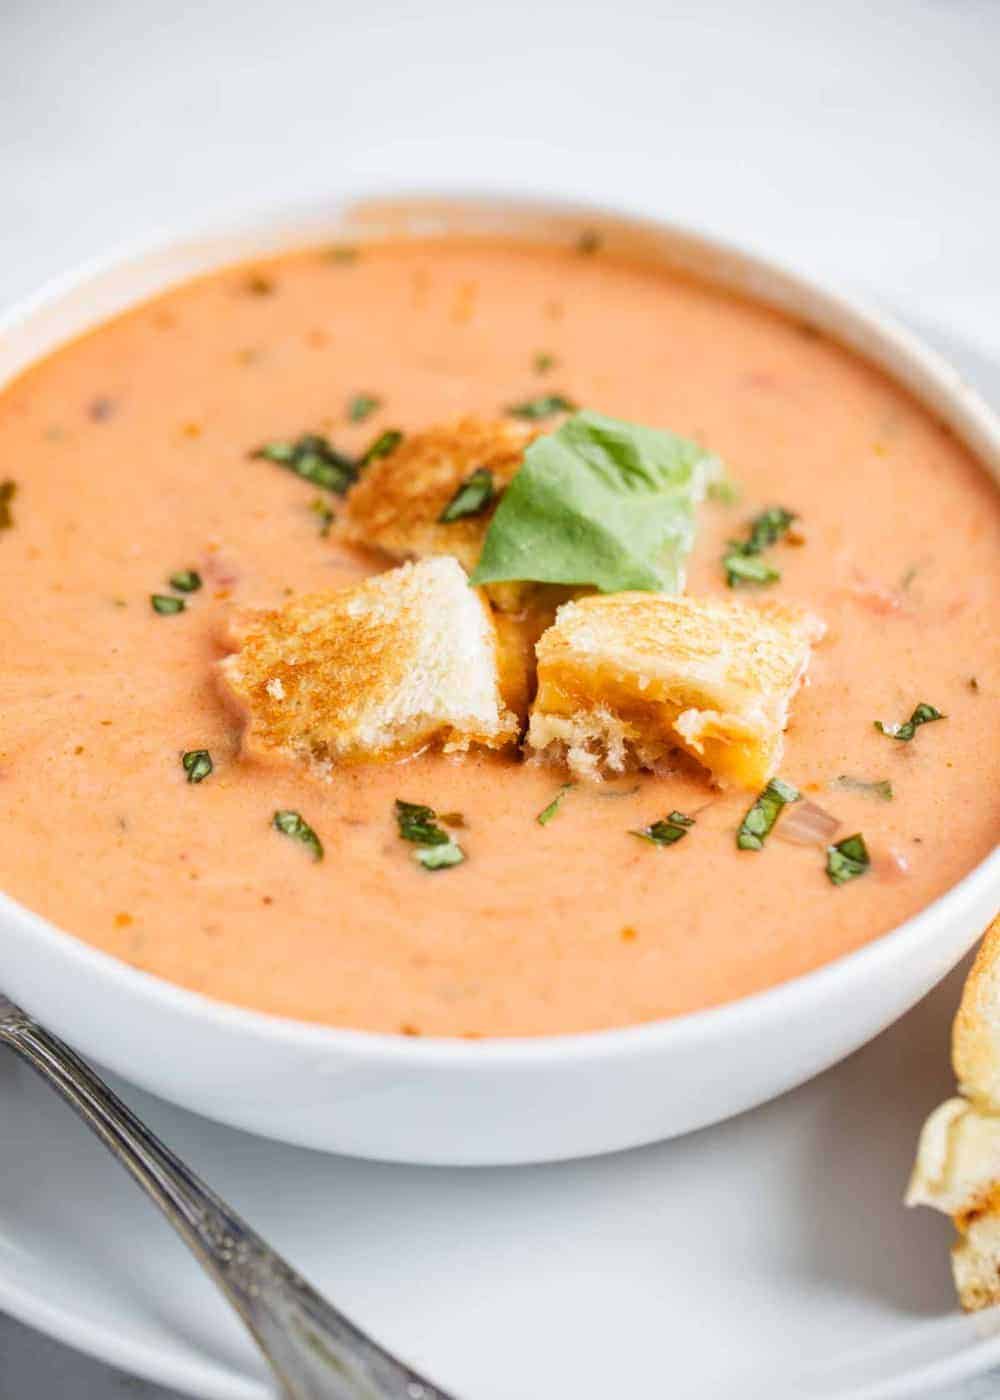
(630, 676)
(957, 1169)
(975, 1037)
(371, 672)
(397, 504)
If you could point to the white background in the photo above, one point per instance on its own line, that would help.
(859, 141)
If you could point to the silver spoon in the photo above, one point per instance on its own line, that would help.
(314, 1351)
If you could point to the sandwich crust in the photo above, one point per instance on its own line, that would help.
(957, 1169)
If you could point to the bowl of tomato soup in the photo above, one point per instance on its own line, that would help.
(567, 988)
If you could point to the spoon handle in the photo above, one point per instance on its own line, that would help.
(315, 1352)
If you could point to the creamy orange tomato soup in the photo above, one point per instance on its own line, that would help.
(129, 450)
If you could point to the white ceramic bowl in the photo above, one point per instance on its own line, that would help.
(440, 1101)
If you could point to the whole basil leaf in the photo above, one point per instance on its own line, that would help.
(600, 502)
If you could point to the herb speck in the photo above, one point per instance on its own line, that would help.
(185, 580)
(473, 497)
(165, 605)
(294, 825)
(362, 406)
(197, 764)
(922, 714)
(546, 406)
(847, 859)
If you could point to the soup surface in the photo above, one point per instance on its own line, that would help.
(130, 454)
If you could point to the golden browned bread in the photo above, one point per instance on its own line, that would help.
(958, 1158)
(398, 502)
(374, 671)
(624, 678)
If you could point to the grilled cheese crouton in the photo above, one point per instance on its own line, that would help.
(374, 671)
(624, 678)
(397, 504)
(957, 1170)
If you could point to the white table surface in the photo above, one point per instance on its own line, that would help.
(856, 141)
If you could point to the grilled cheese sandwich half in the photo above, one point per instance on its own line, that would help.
(626, 677)
(398, 503)
(957, 1170)
(372, 672)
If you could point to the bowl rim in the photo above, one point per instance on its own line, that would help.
(979, 430)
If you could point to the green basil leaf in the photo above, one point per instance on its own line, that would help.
(384, 444)
(472, 498)
(922, 714)
(545, 406)
(600, 502)
(741, 561)
(165, 605)
(197, 764)
(759, 820)
(185, 581)
(314, 459)
(294, 825)
(667, 831)
(847, 859)
(547, 813)
(362, 406)
(743, 568)
(418, 823)
(439, 857)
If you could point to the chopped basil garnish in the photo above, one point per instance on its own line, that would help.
(543, 407)
(294, 825)
(741, 560)
(438, 857)
(8, 490)
(768, 527)
(324, 515)
(741, 568)
(185, 581)
(543, 362)
(667, 831)
(419, 824)
(472, 498)
(197, 764)
(384, 444)
(759, 820)
(314, 459)
(547, 813)
(362, 406)
(881, 787)
(164, 604)
(602, 502)
(923, 714)
(847, 859)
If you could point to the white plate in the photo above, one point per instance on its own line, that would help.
(767, 1257)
